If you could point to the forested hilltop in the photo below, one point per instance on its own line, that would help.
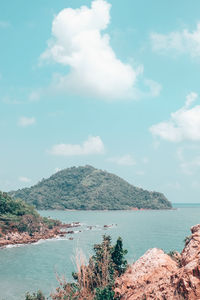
(87, 188)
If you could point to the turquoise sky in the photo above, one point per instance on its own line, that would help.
(113, 84)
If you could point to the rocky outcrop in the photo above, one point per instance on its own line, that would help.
(16, 238)
(157, 275)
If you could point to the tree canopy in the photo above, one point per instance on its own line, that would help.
(87, 188)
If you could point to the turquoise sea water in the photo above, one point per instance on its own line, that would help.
(33, 267)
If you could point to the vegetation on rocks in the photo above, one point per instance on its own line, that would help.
(87, 188)
(155, 275)
(18, 216)
(35, 296)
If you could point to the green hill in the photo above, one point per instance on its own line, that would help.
(88, 188)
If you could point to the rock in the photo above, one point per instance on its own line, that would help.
(74, 224)
(189, 253)
(158, 276)
(108, 226)
(15, 238)
(148, 277)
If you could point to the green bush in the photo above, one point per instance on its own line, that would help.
(15, 207)
(96, 280)
(35, 296)
(118, 253)
(105, 293)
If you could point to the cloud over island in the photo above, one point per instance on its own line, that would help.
(93, 145)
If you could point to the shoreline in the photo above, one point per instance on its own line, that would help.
(103, 210)
(16, 238)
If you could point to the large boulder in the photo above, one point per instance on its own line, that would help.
(157, 275)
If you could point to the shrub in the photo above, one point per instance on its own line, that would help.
(105, 293)
(96, 280)
(187, 239)
(118, 253)
(35, 296)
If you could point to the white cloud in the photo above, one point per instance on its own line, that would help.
(195, 184)
(24, 179)
(34, 96)
(78, 42)
(140, 173)
(145, 160)
(184, 124)
(150, 89)
(189, 159)
(4, 24)
(25, 121)
(125, 160)
(182, 42)
(190, 98)
(93, 145)
(173, 185)
(190, 167)
(57, 170)
(10, 100)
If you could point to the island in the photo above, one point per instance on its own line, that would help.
(88, 188)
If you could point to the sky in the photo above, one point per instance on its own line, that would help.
(113, 84)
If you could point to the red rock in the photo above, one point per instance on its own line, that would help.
(157, 276)
(15, 238)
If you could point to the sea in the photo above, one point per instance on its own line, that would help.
(43, 264)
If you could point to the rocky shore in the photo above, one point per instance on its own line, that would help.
(17, 238)
(157, 275)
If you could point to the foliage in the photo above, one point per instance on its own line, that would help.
(118, 254)
(105, 293)
(96, 280)
(20, 216)
(176, 257)
(35, 296)
(187, 239)
(87, 188)
(15, 207)
(172, 253)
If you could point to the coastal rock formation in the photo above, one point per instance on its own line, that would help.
(157, 275)
(20, 223)
(16, 238)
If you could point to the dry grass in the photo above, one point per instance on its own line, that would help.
(88, 279)
(94, 278)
